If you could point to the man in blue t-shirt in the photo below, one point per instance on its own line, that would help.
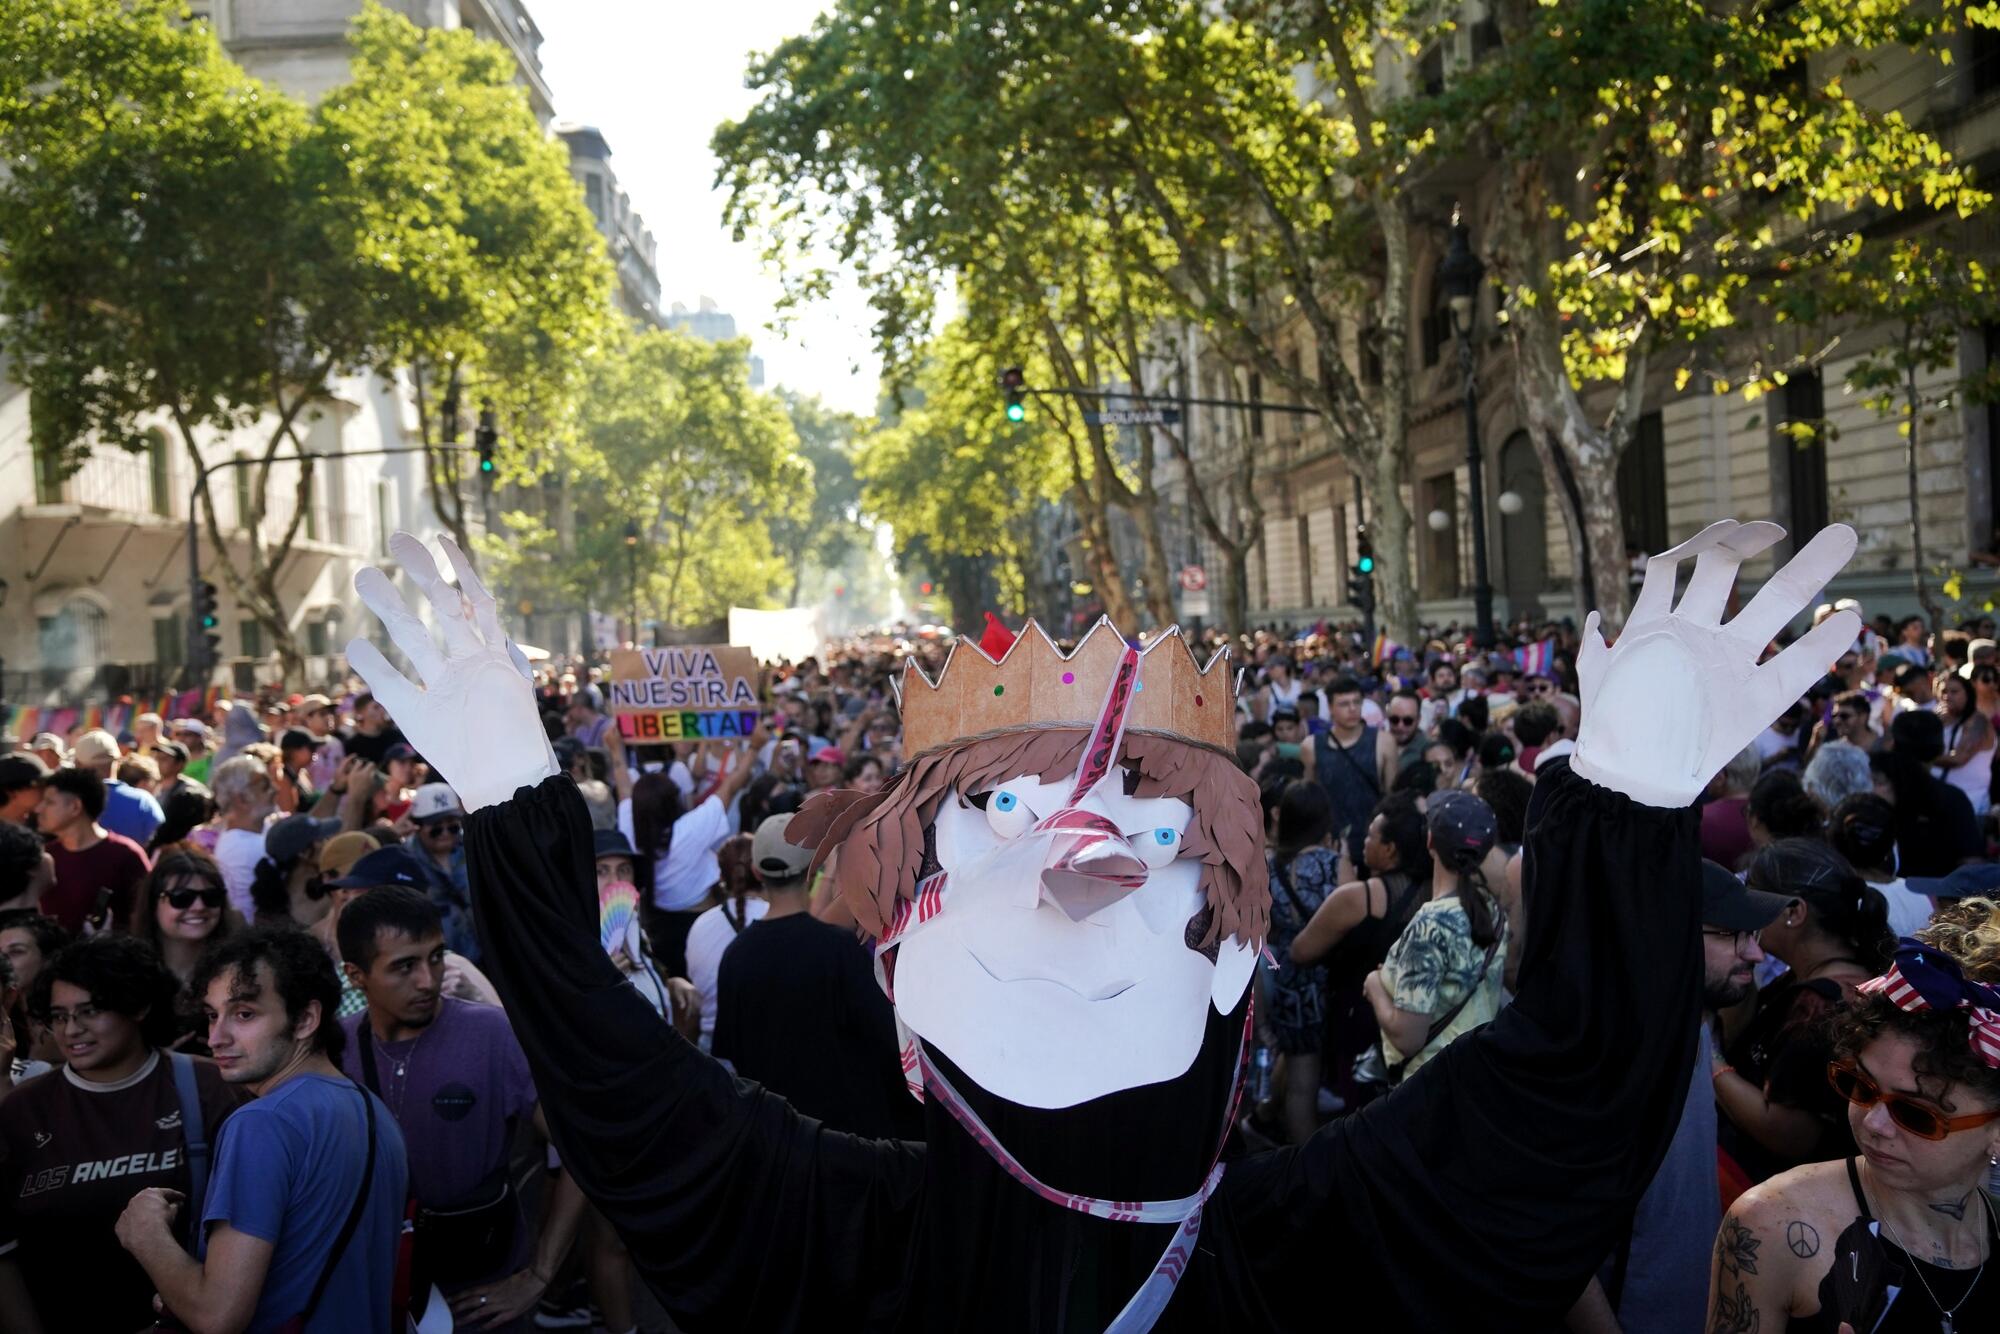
(302, 1214)
(130, 811)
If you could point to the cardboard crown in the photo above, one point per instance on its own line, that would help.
(1033, 684)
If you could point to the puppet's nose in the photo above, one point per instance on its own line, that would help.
(1090, 867)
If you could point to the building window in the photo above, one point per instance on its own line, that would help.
(1485, 37)
(1436, 330)
(1799, 440)
(169, 641)
(1642, 487)
(316, 637)
(1256, 406)
(1430, 72)
(241, 474)
(1985, 61)
(1440, 564)
(48, 476)
(73, 640)
(159, 457)
(1305, 540)
(593, 196)
(1371, 356)
(251, 633)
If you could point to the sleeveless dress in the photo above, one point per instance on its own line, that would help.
(1876, 1285)
(1298, 997)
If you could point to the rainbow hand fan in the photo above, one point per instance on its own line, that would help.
(618, 919)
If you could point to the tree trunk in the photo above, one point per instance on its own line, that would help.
(1913, 408)
(1159, 580)
(1231, 592)
(1105, 575)
(1389, 525)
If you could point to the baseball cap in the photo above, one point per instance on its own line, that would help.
(22, 770)
(610, 843)
(339, 853)
(434, 800)
(1463, 820)
(50, 741)
(385, 866)
(194, 725)
(775, 860)
(169, 747)
(827, 755)
(297, 738)
(402, 750)
(1730, 905)
(1964, 882)
(287, 839)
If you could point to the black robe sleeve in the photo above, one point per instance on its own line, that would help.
(740, 1214)
(1483, 1192)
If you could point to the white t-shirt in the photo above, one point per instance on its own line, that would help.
(710, 935)
(683, 877)
(1909, 911)
(237, 852)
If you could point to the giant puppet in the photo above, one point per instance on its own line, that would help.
(1066, 891)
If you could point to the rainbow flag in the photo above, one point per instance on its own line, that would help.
(1385, 649)
(1537, 659)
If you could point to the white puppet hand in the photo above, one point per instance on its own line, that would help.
(474, 718)
(1682, 693)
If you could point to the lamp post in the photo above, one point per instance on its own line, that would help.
(1462, 274)
(632, 573)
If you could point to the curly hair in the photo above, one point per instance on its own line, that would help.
(299, 970)
(1968, 931)
(122, 975)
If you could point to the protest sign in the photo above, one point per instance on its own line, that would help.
(697, 693)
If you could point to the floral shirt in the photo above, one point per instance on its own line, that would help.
(1432, 966)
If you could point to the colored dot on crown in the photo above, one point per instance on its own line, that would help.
(1069, 678)
(1197, 701)
(999, 690)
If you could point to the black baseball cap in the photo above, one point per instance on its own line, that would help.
(1730, 905)
(24, 769)
(610, 843)
(297, 738)
(395, 865)
(1463, 821)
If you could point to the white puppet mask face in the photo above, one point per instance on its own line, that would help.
(1057, 968)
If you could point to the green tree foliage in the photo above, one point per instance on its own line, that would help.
(829, 535)
(957, 482)
(1667, 170)
(132, 289)
(1106, 169)
(671, 438)
(487, 282)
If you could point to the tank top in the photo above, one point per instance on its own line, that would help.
(1361, 951)
(1975, 777)
(1348, 775)
(1866, 1265)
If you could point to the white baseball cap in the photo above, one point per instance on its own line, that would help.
(433, 800)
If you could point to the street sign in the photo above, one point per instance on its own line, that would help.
(1134, 417)
(1193, 578)
(1194, 604)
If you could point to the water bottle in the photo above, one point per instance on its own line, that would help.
(1261, 1066)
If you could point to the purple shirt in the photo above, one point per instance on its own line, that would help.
(464, 1085)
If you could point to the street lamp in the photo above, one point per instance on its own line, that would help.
(1462, 274)
(632, 571)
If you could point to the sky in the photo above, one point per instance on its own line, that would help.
(657, 78)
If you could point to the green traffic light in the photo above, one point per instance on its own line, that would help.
(1366, 565)
(486, 465)
(1016, 412)
(208, 622)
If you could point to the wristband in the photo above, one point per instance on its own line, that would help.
(1720, 1072)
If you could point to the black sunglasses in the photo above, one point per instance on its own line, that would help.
(453, 828)
(180, 900)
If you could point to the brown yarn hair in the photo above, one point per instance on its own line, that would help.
(1968, 931)
(881, 836)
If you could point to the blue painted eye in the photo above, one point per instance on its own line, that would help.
(1005, 801)
(1007, 815)
(1158, 847)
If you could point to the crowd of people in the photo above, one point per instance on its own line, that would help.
(212, 930)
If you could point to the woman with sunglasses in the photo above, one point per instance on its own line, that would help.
(1899, 1236)
(1777, 1111)
(1985, 678)
(183, 908)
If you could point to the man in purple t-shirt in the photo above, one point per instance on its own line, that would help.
(96, 870)
(457, 1083)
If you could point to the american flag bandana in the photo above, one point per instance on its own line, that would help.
(1924, 979)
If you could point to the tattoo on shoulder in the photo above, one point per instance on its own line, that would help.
(1736, 1248)
(1735, 1313)
(1954, 1208)
(1803, 1238)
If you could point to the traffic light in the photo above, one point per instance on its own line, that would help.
(1014, 385)
(1361, 580)
(205, 641)
(484, 439)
